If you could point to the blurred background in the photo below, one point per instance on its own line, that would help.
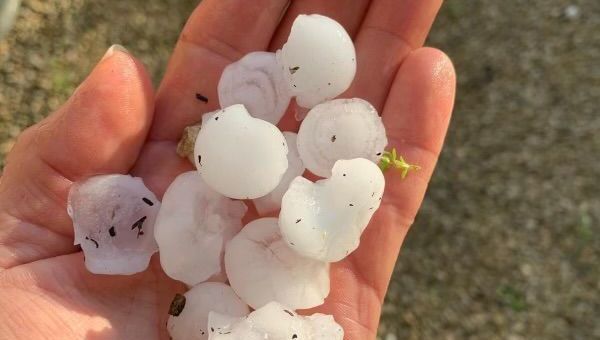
(507, 245)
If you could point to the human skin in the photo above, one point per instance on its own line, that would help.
(114, 123)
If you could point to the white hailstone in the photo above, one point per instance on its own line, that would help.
(324, 220)
(340, 129)
(272, 201)
(240, 156)
(188, 318)
(113, 219)
(318, 59)
(192, 227)
(324, 327)
(261, 268)
(256, 81)
(274, 321)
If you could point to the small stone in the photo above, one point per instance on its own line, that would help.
(185, 147)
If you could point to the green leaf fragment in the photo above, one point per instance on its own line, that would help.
(390, 159)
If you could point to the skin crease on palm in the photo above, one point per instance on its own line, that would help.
(114, 123)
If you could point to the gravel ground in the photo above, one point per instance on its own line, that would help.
(507, 244)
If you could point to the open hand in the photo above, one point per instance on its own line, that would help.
(114, 124)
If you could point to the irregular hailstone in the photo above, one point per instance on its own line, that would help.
(324, 220)
(340, 129)
(192, 227)
(188, 318)
(240, 156)
(262, 268)
(256, 81)
(274, 322)
(113, 218)
(318, 59)
(272, 201)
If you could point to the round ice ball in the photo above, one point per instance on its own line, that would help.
(340, 129)
(240, 156)
(318, 60)
(113, 219)
(256, 81)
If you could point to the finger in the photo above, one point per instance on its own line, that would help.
(100, 129)
(416, 116)
(349, 13)
(391, 29)
(217, 33)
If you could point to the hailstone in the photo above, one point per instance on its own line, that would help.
(274, 321)
(189, 312)
(256, 81)
(192, 227)
(272, 201)
(240, 156)
(318, 60)
(261, 268)
(113, 219)
(340, 129)
(324, 220)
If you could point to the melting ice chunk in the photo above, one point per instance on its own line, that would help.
(261, 268)
(192, 227)
(188, 318)
(324, 220)
(274, 322)
(113, 218)
(272, 201)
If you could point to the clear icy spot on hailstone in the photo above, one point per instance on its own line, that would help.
(340, 129)
(274, 321)
(192, 227)
(256, 81)
(113, 218)
(324, 220)
(261, 268)
(318, 59)
(272, 201)
(189, 312)
(240, 156)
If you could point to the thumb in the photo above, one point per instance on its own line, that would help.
(100, 129)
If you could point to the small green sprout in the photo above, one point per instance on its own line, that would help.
(390, 159)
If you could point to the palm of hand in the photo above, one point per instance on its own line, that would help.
(45, 291)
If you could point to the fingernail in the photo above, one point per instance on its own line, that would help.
(114, 48)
